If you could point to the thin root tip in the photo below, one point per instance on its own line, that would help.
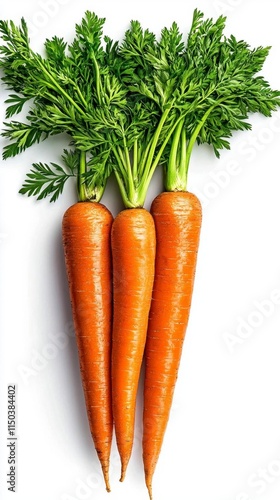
(107, 482)
(150, 492)
(148, 481)
(123, 473)
(122, 477)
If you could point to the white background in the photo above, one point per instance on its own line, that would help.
(223, 438)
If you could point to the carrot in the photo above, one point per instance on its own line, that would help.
(66, 97)
(177, 219)
(86, 239)
(128, 107)
(133, 250)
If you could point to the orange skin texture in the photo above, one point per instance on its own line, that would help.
(86, 232)
(133, 250)
(177, 217)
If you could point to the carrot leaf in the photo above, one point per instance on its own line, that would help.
(48, 180)
(65, 87)
(130, 106)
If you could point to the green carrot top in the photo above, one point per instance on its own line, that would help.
(202, 89)
(63, 89)
(78, 89)
(129, 106)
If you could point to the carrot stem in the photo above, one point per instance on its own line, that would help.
(172, 172)
(81, 182)
(195, 134)
(135, 161)
(130, 176)
(183, 157)
(57, 86)
(154, 144)
(144, 186)
(97, 77)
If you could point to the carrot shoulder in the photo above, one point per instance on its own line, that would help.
(133, 250)
(86, 238)
(177, 219)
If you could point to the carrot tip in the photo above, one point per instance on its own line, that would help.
(108, 488)
(123, 473)
(106, 479)
(150, 491)
(122, 477)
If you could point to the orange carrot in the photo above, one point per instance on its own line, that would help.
(133, 250)
(177, 217)
(86, 238)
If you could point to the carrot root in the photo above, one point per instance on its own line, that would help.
(177, 217)
(133, 251)
(149, 487)
(86, 238)
(123, 472)
(105, 470)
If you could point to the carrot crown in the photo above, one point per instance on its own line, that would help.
(63, 92)
(129, 106)
(200, 90)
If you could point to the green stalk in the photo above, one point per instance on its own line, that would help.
(143, 157)
(151, 164)
(131, 186)
(172, 168)
(97, 77)
(119, 157)
(183, 153)
(196, 132)
(81, 182)
(124, 196)
(176, 176)
(155, 139)
(80, 95)
(147, 179)
(61, 89)
(135, 161)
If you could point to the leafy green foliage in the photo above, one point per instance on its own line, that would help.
(225, 71)
(65, 88)
(97, 165)
(210, 83)
(49, 180)
(129, 106)
(23, 135)
(16, 104)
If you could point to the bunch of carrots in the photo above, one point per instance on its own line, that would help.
(128, 107)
